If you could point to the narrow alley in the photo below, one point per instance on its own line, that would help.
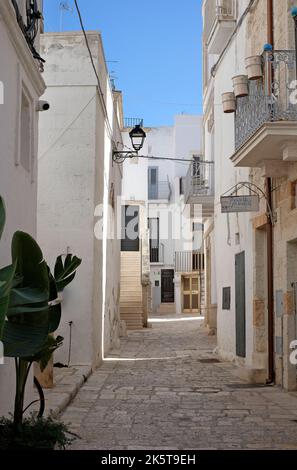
(166, 389)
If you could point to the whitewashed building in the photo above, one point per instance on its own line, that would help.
(157, 185)
(78, 190)
(251, 256)
(21, 85)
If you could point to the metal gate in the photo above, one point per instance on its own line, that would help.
(240, 323)
(167, 285)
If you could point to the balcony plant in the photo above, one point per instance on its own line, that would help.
(29, 316)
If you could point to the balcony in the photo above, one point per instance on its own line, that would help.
(132, 122)
(189, 261)
(219, 23)
(199, 187)
(156, 252)
(160, 191)
(266, 119)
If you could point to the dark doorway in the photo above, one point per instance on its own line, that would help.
(167, 285)
(240, 304)
(130, 228)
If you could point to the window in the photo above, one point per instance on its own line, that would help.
(153, 225)
(25, 132)
(153, 182)
(181, 186)
(196, 166)
(130, 228)
(294, 195)
(226, 301)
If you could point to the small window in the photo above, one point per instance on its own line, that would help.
(181, 186)
(226, 304)
(294, 195)
(25, 133)
(196, 166)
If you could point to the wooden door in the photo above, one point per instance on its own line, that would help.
(240, 319)
(190, 294)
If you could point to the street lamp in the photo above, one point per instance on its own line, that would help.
(137, 136)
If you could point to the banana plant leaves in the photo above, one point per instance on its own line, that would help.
(30, 317)
(64, 273)
(6, 275)
(2, 216)
(6, 280)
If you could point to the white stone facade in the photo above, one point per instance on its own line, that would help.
(78, 190)
(22, 85)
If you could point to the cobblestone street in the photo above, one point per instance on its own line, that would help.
(164, 389)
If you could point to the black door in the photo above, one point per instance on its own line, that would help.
(130, 228)
(240, 304)
(167, 285)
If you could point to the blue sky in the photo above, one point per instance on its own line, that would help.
(156, 46)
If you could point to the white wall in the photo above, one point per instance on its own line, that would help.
(225, 244)
(181, 140)
(75, 176)
(18, 186)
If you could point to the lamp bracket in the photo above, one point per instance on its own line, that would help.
(120, 156)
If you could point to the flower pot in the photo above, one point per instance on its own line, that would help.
(253, 67)
(229, 102)
(240, 85)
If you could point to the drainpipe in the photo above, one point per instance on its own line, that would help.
(269, 231)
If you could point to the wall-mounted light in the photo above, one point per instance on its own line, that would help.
(137, 136)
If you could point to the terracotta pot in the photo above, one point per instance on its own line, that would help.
(253, 67)
(240, 85)
(229, 102)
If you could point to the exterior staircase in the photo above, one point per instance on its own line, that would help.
(166, 308)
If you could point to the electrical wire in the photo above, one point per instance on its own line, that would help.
(66, 129)
(100, 92)
(202, 162)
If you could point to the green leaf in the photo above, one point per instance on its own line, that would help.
(23, 341)
(6, 279)
(2, 216)
(27, 295)
(45, 354)
(65, 273)
(30, 264)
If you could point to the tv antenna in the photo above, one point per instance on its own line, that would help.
(64, 7)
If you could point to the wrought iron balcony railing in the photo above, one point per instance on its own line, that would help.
(156, 251)
(199, 180)
(270, 99)
(189, 261)
(159, 191)
(132, 122)
(216, 10)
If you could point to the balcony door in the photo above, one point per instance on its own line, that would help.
(153, 182)
(153, 225)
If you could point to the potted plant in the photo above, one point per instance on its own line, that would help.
(240, 85)
(229, 102)
(29, 316)
(253, 66)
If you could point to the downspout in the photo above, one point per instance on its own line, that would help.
(269, 232)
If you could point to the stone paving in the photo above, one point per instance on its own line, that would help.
(164, 389)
